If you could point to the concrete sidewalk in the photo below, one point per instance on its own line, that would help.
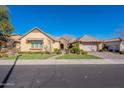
(62, 62)
(56, 56)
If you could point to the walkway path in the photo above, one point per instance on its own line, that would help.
(56, 56)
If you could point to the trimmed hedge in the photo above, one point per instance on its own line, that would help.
(83, 52)
(121, 52)
(57, 51)
(2, 54)
(29, 52)
(78, 51)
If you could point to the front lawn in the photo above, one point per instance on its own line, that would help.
(32, 56)
(75, 56)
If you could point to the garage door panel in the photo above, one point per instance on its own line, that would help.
(89, 47)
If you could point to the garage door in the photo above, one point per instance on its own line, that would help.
(90, 47)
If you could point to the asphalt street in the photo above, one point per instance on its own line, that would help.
(63, 76)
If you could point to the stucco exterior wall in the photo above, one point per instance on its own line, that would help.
(113, 45)
(17, 45)
(81, 46)
(48, 43)
(56, 45)
(100, 46)
(64, 42)
(122, 46)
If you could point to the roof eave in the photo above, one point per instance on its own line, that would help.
(39, 30)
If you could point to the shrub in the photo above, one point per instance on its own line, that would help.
(117, 51)
(57, 51)
(2, 54)
(41, 52)
(83, 52)
(29, 52)
(4, 50)
(110, 50)
(5, 55)
(75, 50)
(46, 52)
(101, 50)
(122, 52)
(24, 52)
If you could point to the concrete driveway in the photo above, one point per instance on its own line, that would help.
(107, 55)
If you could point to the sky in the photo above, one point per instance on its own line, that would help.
(99, 21)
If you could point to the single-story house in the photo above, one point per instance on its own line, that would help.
(89, 43)
(36, 40)
(116, 44)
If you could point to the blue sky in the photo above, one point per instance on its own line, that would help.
(98, 21)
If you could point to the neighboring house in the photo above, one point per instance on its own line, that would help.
(3, 40)
(36, 40)
(89, 43)
(16, 38)
(114, 45)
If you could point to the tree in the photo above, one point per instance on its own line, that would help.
(75, 48)
(5, 26)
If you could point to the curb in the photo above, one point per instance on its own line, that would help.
(63, 62)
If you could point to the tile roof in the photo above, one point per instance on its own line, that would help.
(41, 32)
(114, 40)
(16, 37)
(87, 38)
(70, 40)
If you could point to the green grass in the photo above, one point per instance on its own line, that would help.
(75, 56)
(31, 56)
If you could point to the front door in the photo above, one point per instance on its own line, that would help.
(62, 46)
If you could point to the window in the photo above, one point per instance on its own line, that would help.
(36, 44)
